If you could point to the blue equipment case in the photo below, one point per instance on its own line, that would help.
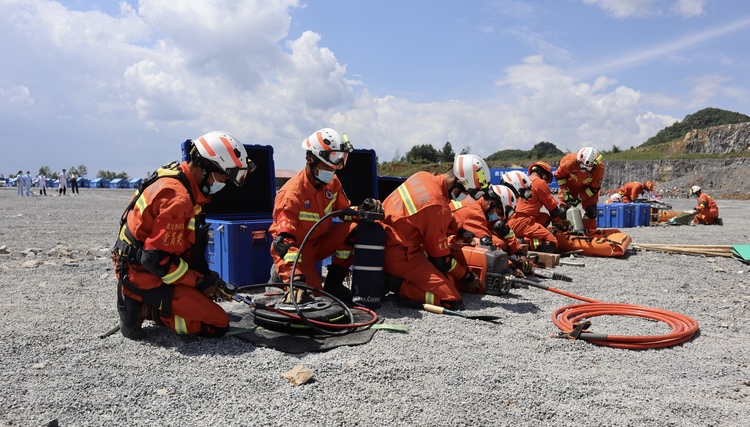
(239, 244)
(239, 249)
(602, 220)
(642, 216)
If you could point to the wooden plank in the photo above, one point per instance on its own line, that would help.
(549, 260)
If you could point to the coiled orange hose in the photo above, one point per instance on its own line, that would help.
(569, 317)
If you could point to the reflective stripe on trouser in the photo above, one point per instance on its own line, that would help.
(531, 231)
(194, 313)
(422, 281)
(332, 243)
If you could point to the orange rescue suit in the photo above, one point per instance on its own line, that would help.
(164, 220)
(417, 220)
(577, 182)
(631, 191)
(528, 221)
(708, 210)
(469, 215)
(298, 206)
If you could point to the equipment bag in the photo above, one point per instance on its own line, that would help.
(369, 253)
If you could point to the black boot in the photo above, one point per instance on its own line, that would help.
(131, 316)
(334, 283)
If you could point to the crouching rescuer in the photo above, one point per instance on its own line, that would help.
(299, 215)
(159, 255)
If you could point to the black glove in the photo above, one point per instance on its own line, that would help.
(371, 205)
(471, 281)
(571, 201)
(212, 286)
(465, 234)
(525, 265)
(486, 241)
(501, 228)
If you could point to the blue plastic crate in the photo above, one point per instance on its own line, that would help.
(619, 215)
(602, 220)
(642, 216)
(239, 250)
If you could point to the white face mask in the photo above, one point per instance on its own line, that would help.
(216, 186)
(325, 176)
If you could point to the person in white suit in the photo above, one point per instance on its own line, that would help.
(63, 178)
(41, 182)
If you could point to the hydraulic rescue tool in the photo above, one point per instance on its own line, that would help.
(325, 314)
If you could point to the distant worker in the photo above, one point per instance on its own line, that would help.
(417, 220)
(28, 182)
(579, 177)
(708, 211)
(73, 178)
(529, 222)
(159, 255)
(62, 178)
(300, 203)
(633, 190)
(41, 182)
(614, 198)
(20, 183)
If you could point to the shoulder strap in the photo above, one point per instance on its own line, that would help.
(170, 170)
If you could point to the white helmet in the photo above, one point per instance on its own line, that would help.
(519, 182)
(473, 173)
(331, 148)
(223, 153)
(694, 190)
(587, 158)
(616, 197)
(506, 197)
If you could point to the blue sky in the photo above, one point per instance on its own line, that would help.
(118, 86)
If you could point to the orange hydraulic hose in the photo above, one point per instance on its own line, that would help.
(569, 317)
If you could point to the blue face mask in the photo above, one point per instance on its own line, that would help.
(216, 186)
(325, 176)
(492, 216)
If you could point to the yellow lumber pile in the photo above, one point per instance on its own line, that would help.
(709, 250)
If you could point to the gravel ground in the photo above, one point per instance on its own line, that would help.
(57, 297)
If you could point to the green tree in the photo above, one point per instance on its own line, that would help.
(705, 118)
(447, 154)
(424, 153)
(81, 169)
(46, 171)
(111, 175)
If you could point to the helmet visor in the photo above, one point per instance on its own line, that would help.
(335, 159)
(238, 175)
(477, 194)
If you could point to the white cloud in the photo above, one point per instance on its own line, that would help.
(629, 8)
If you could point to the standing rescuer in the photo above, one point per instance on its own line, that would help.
(529, 222)
(579, 177)
(160, 251)
(417, 220)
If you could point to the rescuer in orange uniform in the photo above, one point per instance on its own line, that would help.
(529, 222)
(160, 251)
(633, 190)
(487, 219)
(579, 177)
(708, 211)
(480, 217)
(303, 200)
(417, 220)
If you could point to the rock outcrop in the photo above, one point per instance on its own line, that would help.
(721, 178)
